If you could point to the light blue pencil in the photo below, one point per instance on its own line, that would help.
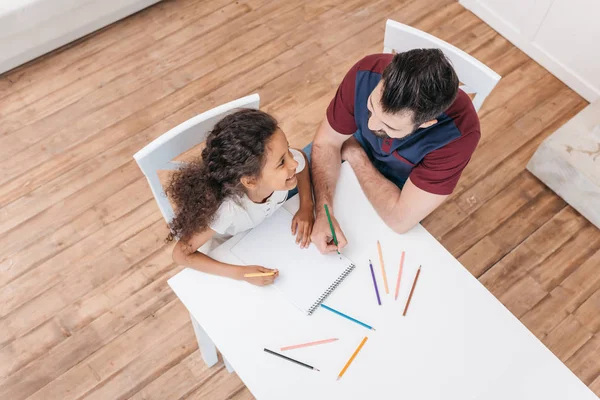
(347, 317)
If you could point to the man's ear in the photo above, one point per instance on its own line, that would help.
(428, 123)
(249, 182)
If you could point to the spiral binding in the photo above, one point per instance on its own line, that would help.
(331, 288)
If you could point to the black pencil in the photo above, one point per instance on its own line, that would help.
(290, 359)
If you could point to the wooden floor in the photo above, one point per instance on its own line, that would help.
(85, 311)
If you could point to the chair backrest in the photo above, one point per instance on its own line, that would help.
(476, 77)
(159, 154)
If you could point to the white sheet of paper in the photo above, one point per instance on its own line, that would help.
(304, 274)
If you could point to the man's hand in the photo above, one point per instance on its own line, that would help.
(351, 149)
(321, 234)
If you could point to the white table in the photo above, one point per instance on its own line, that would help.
(456, 342)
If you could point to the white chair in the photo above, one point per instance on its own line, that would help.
(476, 77)
(159, 155)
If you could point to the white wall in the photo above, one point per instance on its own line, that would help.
(562, 35)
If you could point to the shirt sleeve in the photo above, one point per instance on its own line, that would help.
(440, 170)
(223, 218)
(340, 112)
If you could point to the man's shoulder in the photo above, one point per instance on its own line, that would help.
(374, 63)
(464, 115)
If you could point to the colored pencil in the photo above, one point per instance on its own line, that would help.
(331, 227)
(347, 317)
(290, 359)
(297, 346)
(385, 284)
(353, 357)
(257, 274)
(399, 275)
(374, 282)
(411, 291)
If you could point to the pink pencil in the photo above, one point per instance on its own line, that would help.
(399, 275)
(297, 346)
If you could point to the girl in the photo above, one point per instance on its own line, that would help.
(244, 175)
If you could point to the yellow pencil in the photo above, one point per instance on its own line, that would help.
(257, 274)
(385, 285)
(352, 358)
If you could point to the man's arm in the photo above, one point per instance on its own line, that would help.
(326, 159)
(400, 210)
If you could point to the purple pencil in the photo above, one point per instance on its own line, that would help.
(374, 282)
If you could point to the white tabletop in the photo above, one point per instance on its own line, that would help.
(456, 342)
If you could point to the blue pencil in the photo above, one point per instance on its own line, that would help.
(374, 282)
(347, 317)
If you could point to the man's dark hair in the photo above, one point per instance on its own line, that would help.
(420, 81)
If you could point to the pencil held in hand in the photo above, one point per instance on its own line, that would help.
(257, 274)
(331, 227)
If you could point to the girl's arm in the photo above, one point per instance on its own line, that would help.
(185, 253)
(303, 220)
(304, 186)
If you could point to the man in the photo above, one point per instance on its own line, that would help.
(407, 131)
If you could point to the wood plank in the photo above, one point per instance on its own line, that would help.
(584, 363)
(532, 252)
(567, 338)
(80, 313)
(522, 296)
(561, 264)
(565, 298)
(77, 231)
(77, 281)
(501, 240)
(595, 386)
(588, 314)
(180, 380)
(220, 386)
(493, 213)
(166, 338)
(76, 348)
(52, 271)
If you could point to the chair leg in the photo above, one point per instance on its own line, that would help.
(208, 350)
(227, 365)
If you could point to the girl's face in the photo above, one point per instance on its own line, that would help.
(279, 171)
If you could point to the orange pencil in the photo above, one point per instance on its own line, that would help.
(399, 275)
(411, 291)
(385, 284)
(352, 358)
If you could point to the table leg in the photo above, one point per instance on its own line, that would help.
(208, 350)
(227, 365)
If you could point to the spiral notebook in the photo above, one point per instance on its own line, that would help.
(306, 277)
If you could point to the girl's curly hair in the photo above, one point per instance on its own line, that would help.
(234, 148)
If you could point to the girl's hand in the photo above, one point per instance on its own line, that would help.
(258, 280)
(302, 225)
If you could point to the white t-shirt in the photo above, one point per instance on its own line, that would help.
(234, 217)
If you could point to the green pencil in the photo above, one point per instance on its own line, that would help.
(331, 226)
